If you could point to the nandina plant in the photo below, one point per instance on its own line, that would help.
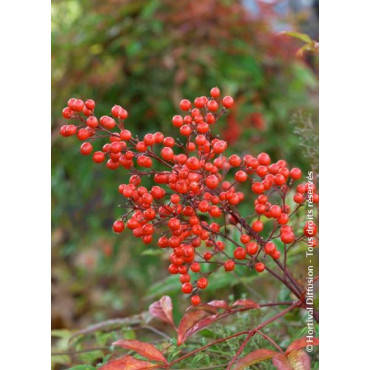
(192, 212)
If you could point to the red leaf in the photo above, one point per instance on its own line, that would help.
(162, 310)
(299, 360)
(219, 304)
(255, 357)
(301, 343)
(247, 303)
(146, 350)
(127, 363)
(188, 322)
(281, 362)
(203, 307)
(201, 324)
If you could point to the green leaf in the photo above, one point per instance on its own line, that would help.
(163, 287)
(299, 36)
(152, 252)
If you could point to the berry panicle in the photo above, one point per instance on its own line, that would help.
(195, 196)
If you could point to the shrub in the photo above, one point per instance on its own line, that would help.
(193, 212)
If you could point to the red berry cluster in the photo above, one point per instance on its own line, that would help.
(197, 192)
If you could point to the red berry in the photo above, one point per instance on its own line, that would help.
(252, 248)
(125, 135)
(202, 283)
(244, 238)
(227, 101)
(275, 211)
(83, 134)
(173, 269)
(107, 122)
(215, 92)
(78, 105)
(67, 113)
(235, 160)
(241, 176)
(159, 137)
(116, 110)
(295, 173)
(149, 139)
(199, 102)
(123, 114)
(240, 253)
(185, 130)
(212, 106)
(184, 278)
(298, 197)
(212, 181)
(118, 226)
(229, 265)
(270, 248)
(263, 159)
(276, 255)
(195, 300)
(310, 229)
(86, 148)
(92, 122)
(259, 267)
(207, 256)
(98, 157)
(279, 179)
(187, 288)
(177, 121)
(203, 206)
(287, 237)
(167, 153)
(258, 188)
(90, 104)
(220, 146)
(169, 141)
(257, 226)
(195, 267)
(193, 163)
(185, 104)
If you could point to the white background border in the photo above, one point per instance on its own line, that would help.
(25, 184)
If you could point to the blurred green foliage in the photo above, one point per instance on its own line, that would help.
(146, 55)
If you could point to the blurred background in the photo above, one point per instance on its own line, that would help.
(146, 55)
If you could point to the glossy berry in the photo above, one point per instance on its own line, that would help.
(259, 267)
(241, 176)
(240, 253)
(187, 288)
(257, 226)
(177, 121)
(295, 173)
(229, 265)
(252, 248)
(202, 283)
(195, 267)
(98, 157)
(118, 226)
(228, 102)
(185, 104)
(270, 248)
(310, 229)
(215, 92)
(86, 148)
(167, 153)
(195, 300)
